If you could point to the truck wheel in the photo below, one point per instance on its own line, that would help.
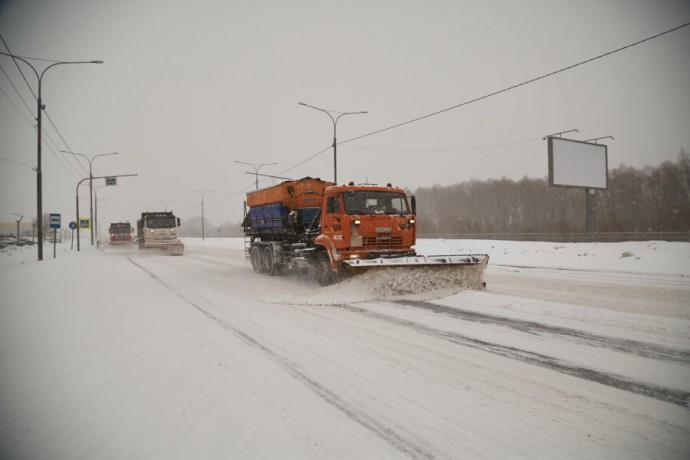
(255, 258)
(270, 266)
(322, 269)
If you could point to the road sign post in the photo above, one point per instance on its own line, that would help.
(73, 227)
(55, 223)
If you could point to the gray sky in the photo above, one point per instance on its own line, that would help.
(188, 88)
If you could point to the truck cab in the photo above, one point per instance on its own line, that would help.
(158, 230)
(120, 233)
(366, 222)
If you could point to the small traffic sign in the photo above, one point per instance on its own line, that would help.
(84, 223)
(111, 181)
(55, 220)
(73, 225)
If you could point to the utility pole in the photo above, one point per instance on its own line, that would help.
(202, 193)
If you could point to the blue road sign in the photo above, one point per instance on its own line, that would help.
(55, 220)
(73, 225)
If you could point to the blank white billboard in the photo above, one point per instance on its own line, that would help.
(577, 164)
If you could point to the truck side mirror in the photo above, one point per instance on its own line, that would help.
(413, 203)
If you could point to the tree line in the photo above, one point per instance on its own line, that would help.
(650, 199)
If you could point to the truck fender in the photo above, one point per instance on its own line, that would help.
(329, 247)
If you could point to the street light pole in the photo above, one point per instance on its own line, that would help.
(91, 178)
(335, 122)
(39, 172)
(256, 169)
(90, 160)
(20, 219)
(95, 215)
(202, 193)
(165, 202)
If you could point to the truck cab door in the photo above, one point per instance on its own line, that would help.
(331, 218)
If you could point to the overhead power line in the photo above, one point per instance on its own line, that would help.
(458, 149)
(45, 133)
(18, 162)
(28, 120)
(518, 85)
(16, 91)
(486, 96)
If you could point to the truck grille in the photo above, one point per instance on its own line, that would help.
(382, 241)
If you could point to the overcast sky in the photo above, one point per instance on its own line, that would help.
(188, 88)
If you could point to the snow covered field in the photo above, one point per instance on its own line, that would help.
(572, 351)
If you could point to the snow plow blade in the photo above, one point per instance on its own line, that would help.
(170, 249)
(417, 274)
(480, 260)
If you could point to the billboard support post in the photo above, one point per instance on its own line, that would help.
(591, 222)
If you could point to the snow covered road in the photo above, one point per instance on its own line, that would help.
(564, 355)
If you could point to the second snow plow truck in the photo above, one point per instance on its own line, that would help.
(158, 230)
(120, 234)
(335, 230)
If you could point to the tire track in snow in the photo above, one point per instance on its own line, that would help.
(398, 441)
(645, 350)
(677, 397)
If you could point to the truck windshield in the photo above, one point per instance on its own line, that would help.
(375, 202)
(162, 222)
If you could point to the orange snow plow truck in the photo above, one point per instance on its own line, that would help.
(120, 233)
(334, 230)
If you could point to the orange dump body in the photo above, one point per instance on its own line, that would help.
(294, 194)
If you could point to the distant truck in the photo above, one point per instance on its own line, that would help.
(334, 230)
(158, 231)
(120, 234)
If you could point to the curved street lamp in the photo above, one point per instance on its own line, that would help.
(256, 169)
(335, 122)
(165, 202)
(90, 160)
(39, 173)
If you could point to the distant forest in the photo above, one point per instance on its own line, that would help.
(652, 199)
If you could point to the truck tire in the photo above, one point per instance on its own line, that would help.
(270, 265)
(323, 272)
(256, 259)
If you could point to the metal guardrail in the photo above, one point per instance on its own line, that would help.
(599, 237)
